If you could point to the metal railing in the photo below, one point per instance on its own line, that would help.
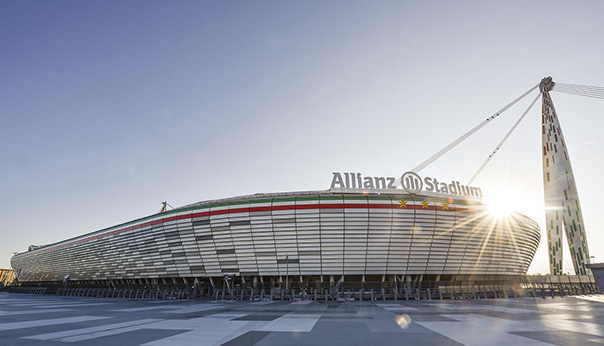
(125, 293)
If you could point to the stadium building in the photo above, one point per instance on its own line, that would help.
(384, 233)
(345, 238)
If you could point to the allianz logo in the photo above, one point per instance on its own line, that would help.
(410, 182)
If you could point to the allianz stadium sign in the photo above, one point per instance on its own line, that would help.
(410, 182)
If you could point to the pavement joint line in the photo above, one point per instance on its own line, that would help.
(47, 322)
(91, 330)
(31, 312)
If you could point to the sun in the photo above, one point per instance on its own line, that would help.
(500, 204)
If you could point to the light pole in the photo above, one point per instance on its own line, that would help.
(286, 273)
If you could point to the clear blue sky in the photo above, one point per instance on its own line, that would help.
(108, 108)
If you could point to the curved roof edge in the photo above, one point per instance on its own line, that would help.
(473, 201)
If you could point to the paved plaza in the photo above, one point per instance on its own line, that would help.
(54, 320)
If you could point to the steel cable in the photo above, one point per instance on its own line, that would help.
(503, 140)
(469, 133)
(580, 90)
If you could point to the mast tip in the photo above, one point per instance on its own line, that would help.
(546, 84)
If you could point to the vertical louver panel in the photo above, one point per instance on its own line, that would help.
(296, 234)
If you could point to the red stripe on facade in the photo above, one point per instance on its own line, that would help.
(252, 209)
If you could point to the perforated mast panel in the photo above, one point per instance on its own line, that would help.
(562, 207)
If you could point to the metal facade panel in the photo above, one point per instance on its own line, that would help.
(350, 234)
(562, 207)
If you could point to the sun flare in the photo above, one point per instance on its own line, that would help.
(500, 204)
